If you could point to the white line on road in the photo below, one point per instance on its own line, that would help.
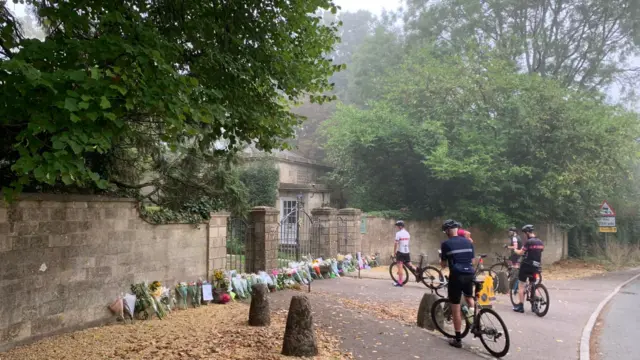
(588, 329)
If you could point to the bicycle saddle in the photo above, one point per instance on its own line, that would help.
(478, 284)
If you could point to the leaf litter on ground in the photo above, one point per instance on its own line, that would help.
(207, 332)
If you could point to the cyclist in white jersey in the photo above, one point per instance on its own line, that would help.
(401, 249)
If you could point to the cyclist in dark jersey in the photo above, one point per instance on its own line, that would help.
(531, 262)
(458, 254)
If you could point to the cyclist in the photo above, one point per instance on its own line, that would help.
(401, 249)
(457, 253)
(515, 243)
(531, 262)
(464, 233)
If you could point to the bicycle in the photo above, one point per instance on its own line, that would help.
(429, 275)
(503, 264)
(487, 334)
(537, 301)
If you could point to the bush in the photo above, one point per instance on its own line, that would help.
(235, 246)
(617, 254)
(261, 178)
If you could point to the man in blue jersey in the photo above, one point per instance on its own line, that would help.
(457, 253)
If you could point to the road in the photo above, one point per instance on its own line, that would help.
(555, 336)
(618, 335)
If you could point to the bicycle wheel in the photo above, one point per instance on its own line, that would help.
(491, 329)
(513, 293)
(432, 278)
(488, 272)
(393, 270)
(443, 319)
(494, 270)
(540, 302)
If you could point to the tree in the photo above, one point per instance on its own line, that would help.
(261, 179)
(470, 137)
(117, 87)
(583, 43)
(355, 28)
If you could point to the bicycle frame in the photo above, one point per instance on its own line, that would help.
(529, 287)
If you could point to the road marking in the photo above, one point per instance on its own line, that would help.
(586, 332)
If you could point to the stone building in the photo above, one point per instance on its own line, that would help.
(301, 179)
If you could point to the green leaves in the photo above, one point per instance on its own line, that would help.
(71, 104)
(112, 89)
(104, 103)
(473, 139)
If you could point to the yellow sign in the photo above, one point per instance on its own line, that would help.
(608, 229)
(486, 294)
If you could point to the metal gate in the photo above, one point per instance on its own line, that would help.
(298, 237)
(342, 236)
(238, 237)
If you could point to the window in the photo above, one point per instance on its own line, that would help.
(288, 210)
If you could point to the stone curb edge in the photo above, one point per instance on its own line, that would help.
(585, 340)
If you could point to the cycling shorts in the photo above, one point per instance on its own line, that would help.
(460, 284)
(403, 257)
(527, 271)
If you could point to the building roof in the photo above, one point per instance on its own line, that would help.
(286, 155)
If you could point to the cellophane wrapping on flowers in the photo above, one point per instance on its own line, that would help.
(236, 282)
(182, 290)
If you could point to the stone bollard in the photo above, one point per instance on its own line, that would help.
(259, 313)
(299, 335)
(503, 283)
(424, 312)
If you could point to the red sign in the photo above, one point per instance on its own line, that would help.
(606, 210)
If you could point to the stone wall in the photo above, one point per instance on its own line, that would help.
(63, 259)
(426, 238)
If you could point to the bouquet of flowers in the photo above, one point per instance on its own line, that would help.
(117, 308)
(236, 282)
(219, 279)
(265, 278)
(245, 285)
(296, 277)
(192, 290)
(280, 283)
(334, 267)
(155, 288)
(182, 290)
(316, 269)
(144, 301)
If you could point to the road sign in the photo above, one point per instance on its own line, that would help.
(608, 229)
(606, 210)
(607, 221)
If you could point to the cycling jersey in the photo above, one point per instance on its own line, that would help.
(533, 252)
(459, 254)
(517, 243)
(402, 239)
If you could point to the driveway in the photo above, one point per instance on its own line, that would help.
(555, 336)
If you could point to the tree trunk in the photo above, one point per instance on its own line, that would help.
(503, 283)
(424, 311)
(299, 335)
(259, 313)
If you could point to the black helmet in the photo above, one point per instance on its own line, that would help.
(400, 223)
(513, 228)
(450, 224)
(527, 229)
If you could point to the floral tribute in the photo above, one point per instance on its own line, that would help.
(145, 300)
